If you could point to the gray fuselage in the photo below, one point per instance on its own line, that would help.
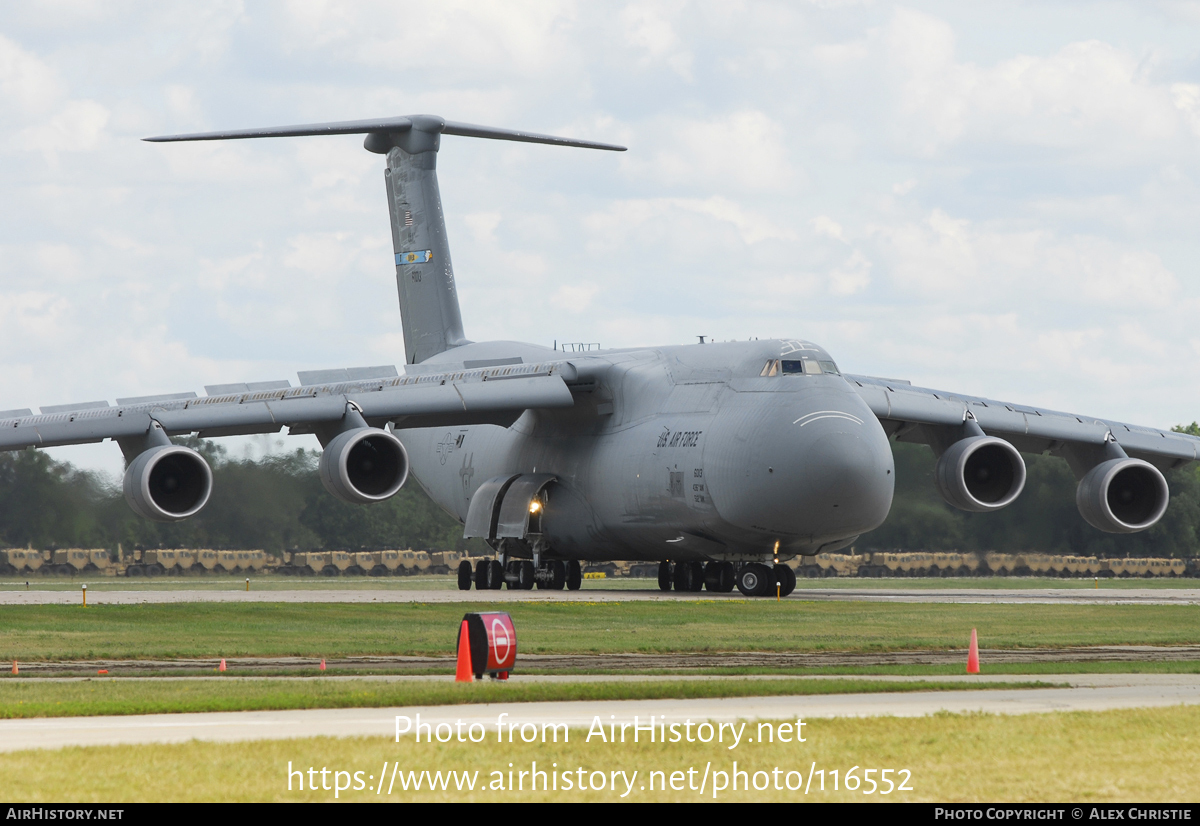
(684, 452)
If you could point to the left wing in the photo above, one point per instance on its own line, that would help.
(906, 412)
(1119, 466)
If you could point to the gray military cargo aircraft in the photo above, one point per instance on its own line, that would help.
(717, 460)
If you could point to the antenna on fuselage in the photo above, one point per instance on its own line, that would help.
(429, 309)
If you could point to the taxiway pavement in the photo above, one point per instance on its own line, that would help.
(1013, 596)
(1091, 692)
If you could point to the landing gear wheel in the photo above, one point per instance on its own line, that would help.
(682, 577)
(495, 575)
(464, 575)
(558, 575)
(718, 577)
(574, 575)
(481, 574)
(525, 575)
(786, 578)
(754, 579)
(697, 576)
(665, 575)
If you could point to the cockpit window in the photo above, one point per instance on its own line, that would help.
(798, 367)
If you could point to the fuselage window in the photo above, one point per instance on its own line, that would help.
(829, 367)
(791, 367)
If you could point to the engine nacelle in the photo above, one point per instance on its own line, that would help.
(1122, 496)
(364, 465)
(980, 473)
(168, 483)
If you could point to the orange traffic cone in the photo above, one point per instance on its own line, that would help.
(463, 673)
(15, 671)
(322, 663)
(221, 667)
(973, 654)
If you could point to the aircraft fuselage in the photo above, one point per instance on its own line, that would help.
(684, 453)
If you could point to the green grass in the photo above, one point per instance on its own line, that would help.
(1148, 755)
(43, 698)
(68, 632)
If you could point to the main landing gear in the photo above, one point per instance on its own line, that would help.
(520, 575)
(753, 579)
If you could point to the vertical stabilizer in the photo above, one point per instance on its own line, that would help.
(424, 276)
(424, 273)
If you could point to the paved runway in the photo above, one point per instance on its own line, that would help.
(1016, 596)
(1092, 692)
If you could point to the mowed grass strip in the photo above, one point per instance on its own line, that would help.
(68, 632)
(42, 698)
(1148, 755)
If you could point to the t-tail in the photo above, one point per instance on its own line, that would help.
(424, 275)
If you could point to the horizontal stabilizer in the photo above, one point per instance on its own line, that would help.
(308, 377)
(389, 126)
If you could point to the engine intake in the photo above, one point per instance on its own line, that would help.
(168, 483)
(980, 473)
(364, 465)
(1122, 496)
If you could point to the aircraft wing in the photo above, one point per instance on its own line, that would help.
(495, 395)
(907, 412)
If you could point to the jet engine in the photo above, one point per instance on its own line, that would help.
(980, 473)
(168, 483)
(1122, 495)
(364, 465)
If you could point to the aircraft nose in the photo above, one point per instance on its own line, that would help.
(847, 476)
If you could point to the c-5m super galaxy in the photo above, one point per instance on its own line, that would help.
(717, 460)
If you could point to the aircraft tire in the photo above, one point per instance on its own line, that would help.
(725, 582)
(685, 575)
(664, 576)
(753, 579)
(495, 578)
(697, 576)
(712, 575)
(786, 578)
(525, 575)
(574, 575)
(464, 575)
(481, 574)
(558, 575)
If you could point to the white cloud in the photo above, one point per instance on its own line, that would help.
(741, 151)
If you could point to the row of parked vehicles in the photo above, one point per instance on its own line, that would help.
(903, 564)
(73, 561)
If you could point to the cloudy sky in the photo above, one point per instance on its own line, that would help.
(997, 200)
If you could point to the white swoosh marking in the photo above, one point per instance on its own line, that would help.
(827, 414)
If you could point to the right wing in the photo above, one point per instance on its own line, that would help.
(494, 395)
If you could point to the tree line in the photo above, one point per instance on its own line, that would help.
(277, 503)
